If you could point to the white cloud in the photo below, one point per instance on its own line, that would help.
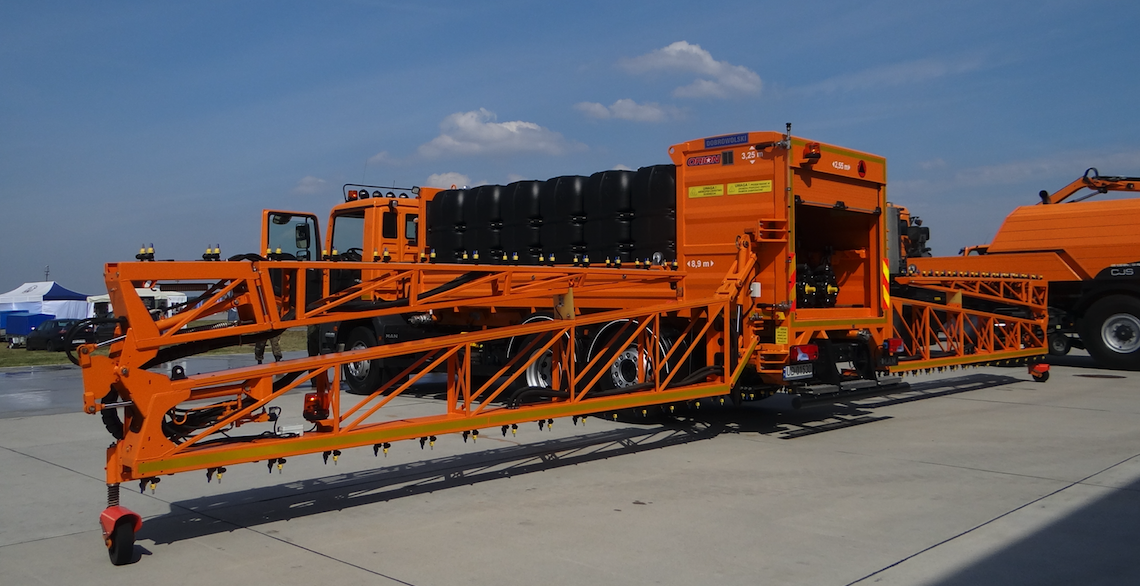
(620, 167)
(593, 110)
(309, 185)
(717, 79)
(513, 177)
(932, 164)
(446, 180)
(381, 157)
(893, 75)
(626, 109)
(1063, 167)
(477, 132)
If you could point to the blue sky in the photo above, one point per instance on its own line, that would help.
(176, 123)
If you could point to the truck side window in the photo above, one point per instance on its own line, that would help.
(388, 227)
(286, 232)
(348, 231)
(411, 227)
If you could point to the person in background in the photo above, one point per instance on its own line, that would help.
(274, 344)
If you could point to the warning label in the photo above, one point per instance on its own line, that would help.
(706, 190)
(750, 187)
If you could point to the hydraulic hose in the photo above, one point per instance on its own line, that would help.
(94, 321)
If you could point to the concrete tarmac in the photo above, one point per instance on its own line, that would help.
(973, 477)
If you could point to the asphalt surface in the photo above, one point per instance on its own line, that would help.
(970, 477)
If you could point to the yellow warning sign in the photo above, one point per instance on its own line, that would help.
(781, 335)
(706, 190)
(750, 187)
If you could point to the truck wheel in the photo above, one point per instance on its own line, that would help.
(362, 377)
(539, 373)
(1111, 332)
(1059, 344)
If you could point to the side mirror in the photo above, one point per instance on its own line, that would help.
(302, 236)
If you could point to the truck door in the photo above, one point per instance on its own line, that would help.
(290, 233)
(295, 236)
(399, 230)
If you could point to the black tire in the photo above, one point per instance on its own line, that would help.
(1111, 332)
(51, 346)
(313, 340)
(1059, 344)
(122, 546)
(362, 377)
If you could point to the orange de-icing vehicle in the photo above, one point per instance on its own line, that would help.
(754, 266)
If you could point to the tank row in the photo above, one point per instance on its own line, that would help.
(610, 215)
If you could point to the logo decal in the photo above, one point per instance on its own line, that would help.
(703, 160)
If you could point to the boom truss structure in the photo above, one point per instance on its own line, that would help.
(180, 422)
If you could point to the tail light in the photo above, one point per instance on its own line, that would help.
(893, 345)
(804, 353)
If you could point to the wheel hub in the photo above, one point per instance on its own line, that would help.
(538, 373)
(358, 370)
(1121, 333)
(623, 370)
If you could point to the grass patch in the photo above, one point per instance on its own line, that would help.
(293, 339)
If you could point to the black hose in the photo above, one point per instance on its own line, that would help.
(201, 346)
(527, 393)
(111, 419)
(250, 256)
(357, 306)
(94, 321)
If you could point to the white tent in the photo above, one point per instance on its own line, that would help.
(154, 300)
(45, 297)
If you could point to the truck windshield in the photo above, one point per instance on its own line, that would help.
(348, 231)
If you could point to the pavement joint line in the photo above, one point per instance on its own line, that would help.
(1046, 405)
(47, 538)
(50, 463)
(203, 514)
(290, 543)
(1001, 516)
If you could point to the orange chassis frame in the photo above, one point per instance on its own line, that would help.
(939, 333)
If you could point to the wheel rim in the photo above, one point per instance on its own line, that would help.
(1058, 344)
(623, 370)
(358, 370)
(540, 372)
(1121, 333)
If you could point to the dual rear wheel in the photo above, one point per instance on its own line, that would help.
(1111, 332)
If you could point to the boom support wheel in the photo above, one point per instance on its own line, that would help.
(121, 543)
(119, 527)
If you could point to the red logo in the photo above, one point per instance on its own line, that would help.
(862, 169)
(703, 160)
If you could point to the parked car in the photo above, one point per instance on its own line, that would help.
(50, 335)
